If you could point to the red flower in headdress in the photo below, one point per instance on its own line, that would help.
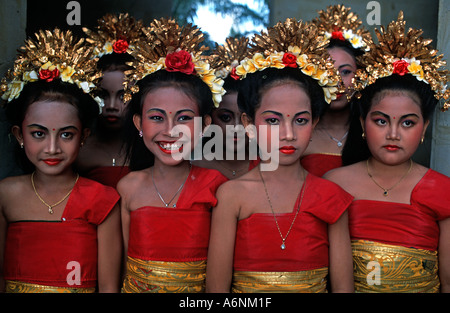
(48, 75)
(289, 60)
(400, 67)
(233, 74)
(337, 35)
(120, 46)
(180, 61)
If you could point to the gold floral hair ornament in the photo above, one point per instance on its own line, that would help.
(114, 34)
(338, 22)
(52, 55)
(174, 48)
(294, 44)
(403, 53)
(225, 58)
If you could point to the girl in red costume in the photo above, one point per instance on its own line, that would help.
(280, 229)
(59, 232)
(102, 158)
(347, 42)
(400, 219)
(166, 202)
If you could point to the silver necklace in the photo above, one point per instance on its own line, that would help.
(283, 239)
(166, 204)
(338, 142)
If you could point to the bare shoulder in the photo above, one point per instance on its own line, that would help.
(14, 184)
(345, 174)
(236, 190)
(129, 183)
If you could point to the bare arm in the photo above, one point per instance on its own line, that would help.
(444, 255)
(341, 261)
(109, 236)
(219, 269)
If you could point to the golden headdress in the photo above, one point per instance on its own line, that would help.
(225, 58)
(52, 55)
(403, 53)
(338, 22)
(174, 48)
(114, 34)
(294, 44)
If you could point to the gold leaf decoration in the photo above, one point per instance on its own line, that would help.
(396, 46)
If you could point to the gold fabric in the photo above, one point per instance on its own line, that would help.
(160, 276)
(313, 281)
(387, 268)
(13, 286)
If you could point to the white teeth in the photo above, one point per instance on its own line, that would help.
(170, 146)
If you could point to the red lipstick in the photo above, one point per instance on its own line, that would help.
(52, 162)
(391, 147)
(287, 149)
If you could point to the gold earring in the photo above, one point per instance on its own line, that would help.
(363, 135)
(421, 139)
(21, 145)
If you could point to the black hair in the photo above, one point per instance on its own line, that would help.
(55, 90)
(254, 84)
(346, 46)
(138, 155)
(358, 149)
(114, 62)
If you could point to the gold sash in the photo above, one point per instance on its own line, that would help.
(160, 276)
(13, 286)
(313, 281)
(387, 268)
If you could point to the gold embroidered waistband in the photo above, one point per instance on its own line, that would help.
(313, 281)
(161, 276)
(387, 268)
(13, 286)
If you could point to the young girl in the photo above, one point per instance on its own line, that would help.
(102, 158)
(166, 202)
(59, 232)
(235, 159)
(348, 41)
(399, 222)
(279, 230)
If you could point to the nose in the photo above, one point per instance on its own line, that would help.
(286, 131)
(53, 145)
(393, 132)
(111, 104)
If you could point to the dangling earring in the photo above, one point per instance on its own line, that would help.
(141, 134)
(21, 145)
(421, 139)
(363, 135)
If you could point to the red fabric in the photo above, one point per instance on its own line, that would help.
(410, 225)
(108, 175)
(181, 233)
(38, 252)
(258, 241)
(318, 163)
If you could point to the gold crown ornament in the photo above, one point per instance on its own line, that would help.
(294, 44)
(174, 48)
(52, 55)
(114, 34)
(225, 58)
(403, 53)
(338, 22)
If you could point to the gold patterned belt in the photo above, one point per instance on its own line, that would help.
(161, 276)
(387, 268)
(313, 281)
(13, 286)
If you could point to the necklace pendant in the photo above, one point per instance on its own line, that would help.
(234, 173)
(50, 209)
(283, 246)
(385, 193)
(339, 144)
(166, 204)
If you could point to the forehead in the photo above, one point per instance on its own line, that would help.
(229, 102)
(52, 111)
(112, 80)
(396, 103)
(340, 56)
(169, 99)
(287, 97)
